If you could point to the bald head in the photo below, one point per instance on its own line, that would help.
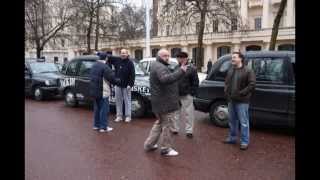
(124, 54)
(164, 54)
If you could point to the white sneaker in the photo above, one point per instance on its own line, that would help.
(154, 147)
(109, 129)
(106, 130)
(128, 119)
(169, 152)
(118, 119)
(95, 128)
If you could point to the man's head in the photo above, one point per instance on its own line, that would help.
(164, 55)
(182, 57)
(124, 54)
(237, 59)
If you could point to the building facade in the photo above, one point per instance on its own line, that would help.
(256, 15)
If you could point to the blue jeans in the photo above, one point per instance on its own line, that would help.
(239, 112)
(101, 111)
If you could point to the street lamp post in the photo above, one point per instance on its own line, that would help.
(147, 28)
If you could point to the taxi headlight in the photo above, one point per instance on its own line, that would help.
(47, 82)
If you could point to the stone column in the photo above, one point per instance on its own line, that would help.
(290, 13)
(244, 11)
(214, 54)
(265, 14)
(236, 47)
(114, 52)
(207, 55)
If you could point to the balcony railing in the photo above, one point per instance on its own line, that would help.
(255, 3)
(274, 2)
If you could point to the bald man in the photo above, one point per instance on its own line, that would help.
(164, 101)
(124, 69)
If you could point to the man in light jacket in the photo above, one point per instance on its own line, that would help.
(164, 102)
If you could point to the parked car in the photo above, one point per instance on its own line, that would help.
(145, 64)
(75, 85)
(41, 78)
(272, 102)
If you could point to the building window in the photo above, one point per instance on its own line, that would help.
(223, 50)
(168, 30)
(234, 23)
(197, 27)
(62, 42)
(175, 51)
(138, 54)
(257, 23)
(253, 48)
(154, 52)
(215, 26)
(286, 47)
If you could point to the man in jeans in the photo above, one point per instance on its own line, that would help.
(164, 102)
(99, 88)
(239, 85)
(124, 70)
(187, 88)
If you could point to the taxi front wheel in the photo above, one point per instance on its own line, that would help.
(219, 115)
(70, 99)
(38, 93)
(137, 106)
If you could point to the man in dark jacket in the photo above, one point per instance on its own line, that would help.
(164, 102)
(209, 66)
(187, 89)
(239, 85)
(100, 78)
(124, 70)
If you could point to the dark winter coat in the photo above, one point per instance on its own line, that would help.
(164, 87)
(189, 83)
(99, 71)
(124, 69)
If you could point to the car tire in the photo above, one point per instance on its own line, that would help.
(219, 114)
(70, 98)
(38, 93)
(137, 106)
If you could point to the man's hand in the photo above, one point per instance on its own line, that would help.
(184, 68)
(128, 87)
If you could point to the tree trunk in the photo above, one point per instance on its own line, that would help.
(38, 53)
(199, 52)
(276, 23)
(97, 29)
(89, 35)
(38, 48)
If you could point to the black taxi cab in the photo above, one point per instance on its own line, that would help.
(273, 100)
(41, 78)
(74, 86)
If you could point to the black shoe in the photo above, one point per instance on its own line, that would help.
(174, 132)
(227, 141)
(189, 135)
(243, 146)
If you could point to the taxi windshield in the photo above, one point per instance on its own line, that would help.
(139, 70)
(43, 67)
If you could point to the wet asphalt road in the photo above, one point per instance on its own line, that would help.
(60, 144)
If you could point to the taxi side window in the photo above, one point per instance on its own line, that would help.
(85, 68)
(269, 70)
(222, 71)
(72, 69)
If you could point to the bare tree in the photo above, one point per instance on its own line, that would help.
(131, 23)
(44, 19)
(276, 24)
(186, 12)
